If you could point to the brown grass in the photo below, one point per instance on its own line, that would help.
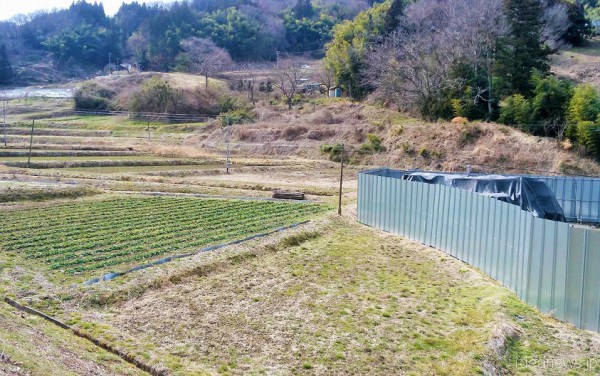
(409, 143)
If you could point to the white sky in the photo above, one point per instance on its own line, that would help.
(10, 8)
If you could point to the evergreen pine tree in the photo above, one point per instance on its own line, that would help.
(6, 72)
(523, 50)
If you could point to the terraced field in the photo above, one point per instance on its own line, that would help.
(102, 236)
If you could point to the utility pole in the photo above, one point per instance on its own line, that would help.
(4, 113)
(341, 181)
(30, 143)
(109, 62)
(227, 145)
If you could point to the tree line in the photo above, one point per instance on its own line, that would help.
(154, 36)
(479, 59)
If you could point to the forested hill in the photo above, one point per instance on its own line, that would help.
(152, 36)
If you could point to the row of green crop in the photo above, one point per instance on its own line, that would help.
(109, 224)
(183, 245)
(192, 225)
(82, 237)
(37, 218)
(105, 225)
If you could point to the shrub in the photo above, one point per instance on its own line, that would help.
(588, 136)
(92, 96)
(550, 104)
(238, 116)
(466, 107)
(334, 152)
(235, 111)
(155, 95)
(469, 135)
(584, 105)
(373, 145)
(516, 110)
(291, 133)
(433, 108)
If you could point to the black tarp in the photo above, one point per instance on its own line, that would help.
(528, 193)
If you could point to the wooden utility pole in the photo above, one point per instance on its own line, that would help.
(341, 181)
(227, 145)
(30, 143)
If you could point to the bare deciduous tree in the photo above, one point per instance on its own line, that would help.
(415, 63)
(249, 72)
(556, 24)
(286, 78)
(325, 76)
(205, 57)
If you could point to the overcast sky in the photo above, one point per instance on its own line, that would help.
(28, 6)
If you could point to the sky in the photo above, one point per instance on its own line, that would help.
(28, 6)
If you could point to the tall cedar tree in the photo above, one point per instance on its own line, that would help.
(393, 15)
(523, 50)
(6, 72)
(303, 9)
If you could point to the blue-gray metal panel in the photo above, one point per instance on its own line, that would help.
(585, 198)
(404, 202)
(493, 244)
(482, 243)
(577, 244)
(439, 220)
(511, 254)
(386, 207)
(421, 197)
(559, 288)
(393, 187)
(548, 262)
(471, 213)
(368, 184)
(535, 267)
(489, 237)
(360, 198)
(451, 221)
(410, 203)
(503, 246)
(476, 258)
(378, 201)
(429, 214)
(463, 246)
(394, 205)
(499, 247)
(446, 226)
(591, 282)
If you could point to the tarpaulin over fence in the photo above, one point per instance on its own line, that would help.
(530, 194)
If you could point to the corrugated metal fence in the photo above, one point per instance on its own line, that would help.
(552, 265)
(578, 196)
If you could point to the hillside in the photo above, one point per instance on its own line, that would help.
(408, 142)
(579, 64)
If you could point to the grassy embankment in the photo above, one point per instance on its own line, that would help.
(333, 298)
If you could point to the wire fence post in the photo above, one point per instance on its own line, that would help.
(227, 145)
(341, 181)
(30, 143)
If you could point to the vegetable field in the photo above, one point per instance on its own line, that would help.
(110, 235)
